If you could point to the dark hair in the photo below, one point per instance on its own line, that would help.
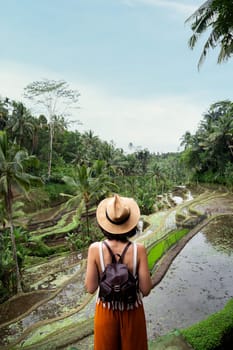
(119, 237)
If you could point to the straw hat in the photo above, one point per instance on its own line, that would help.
(118, 215)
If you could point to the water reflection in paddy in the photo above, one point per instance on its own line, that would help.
(198, 283)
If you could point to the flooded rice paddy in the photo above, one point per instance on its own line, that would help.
(198, 283)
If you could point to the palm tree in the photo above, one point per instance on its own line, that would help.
(186, 140)
(211, 148)
(13, 176)
(114, 158)
(20, 123)
(90, 184)
(215, 15)
(143, 157)
(218, 128)
(90, 144)
(223, 133)
(3, 113)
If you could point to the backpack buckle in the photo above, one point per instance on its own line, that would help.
(117, 288)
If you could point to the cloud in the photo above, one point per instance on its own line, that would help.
(156, 123)
(15, 77)
(178, 6)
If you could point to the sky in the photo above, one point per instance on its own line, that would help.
(129, 59)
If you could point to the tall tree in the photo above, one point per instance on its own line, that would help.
(12, 176)
(216, 17)
(56, 99)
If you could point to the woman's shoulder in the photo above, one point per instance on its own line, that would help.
(141, 248)
(94, 246)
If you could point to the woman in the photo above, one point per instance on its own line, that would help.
(118, 328)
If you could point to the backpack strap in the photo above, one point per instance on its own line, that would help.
(124, 251)
(121, 256)
(111, 252)
(135, 251)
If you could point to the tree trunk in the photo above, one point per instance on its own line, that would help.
(87, 219)
(51, 131)
(13, 243)
(14, 252)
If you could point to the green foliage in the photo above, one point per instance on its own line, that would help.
(90, 183)
(21, 238)
(215, 18)
(228, 174)
(54, 190)
(209, 334)
(7, 264)
(14, 163)
(209, 152)
(38, 199)
(77, 241)
(160, 247)
(146, 200)
(30, 260)
(38, 248)
(7, 274)
(60, 168)
(84, 237)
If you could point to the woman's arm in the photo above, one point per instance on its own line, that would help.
(144, 278)
(92, 279)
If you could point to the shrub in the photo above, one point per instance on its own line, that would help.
(39, 248)
(54, 189)
(210, 333)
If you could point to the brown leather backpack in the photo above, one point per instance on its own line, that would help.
(117, 283)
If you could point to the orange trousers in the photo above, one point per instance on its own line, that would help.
(119, 330)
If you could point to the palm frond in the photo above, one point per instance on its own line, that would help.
(226, 50)
(199, 11)
(210, 43)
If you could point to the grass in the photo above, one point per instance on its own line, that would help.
(160, 247)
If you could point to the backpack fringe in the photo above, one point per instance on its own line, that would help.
(118, 305)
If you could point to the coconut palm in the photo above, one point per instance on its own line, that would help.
(20, 123)
(186, 140)
(114, 157)
(222, 134)
(216, 16)
(217, 130)
(90, 184)
(3, 113)
(13, 176)
(211, 148)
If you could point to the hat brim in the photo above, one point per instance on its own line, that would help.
(110, 227)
